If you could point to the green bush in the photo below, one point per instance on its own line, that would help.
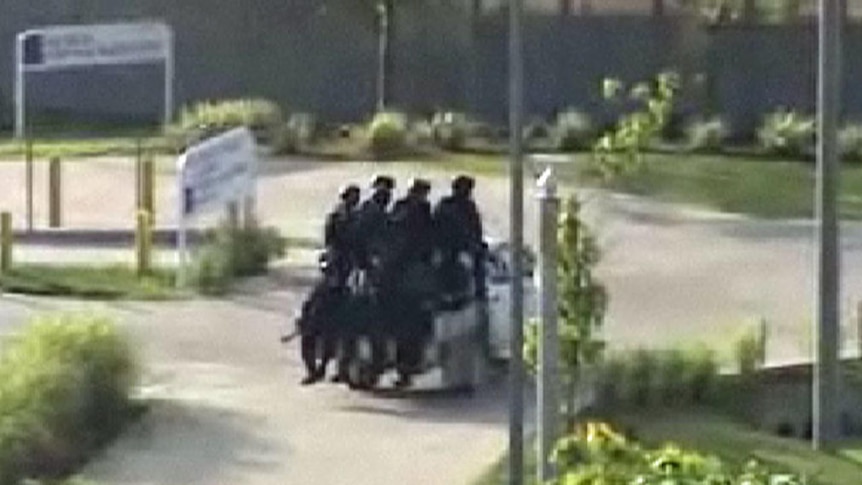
(65, 384)
(535, 129)
(449, 130)
(235, 253)
(204, 119)
(639, 377)
(596, 454)
(707, 135)
(422, 133)
(573, 130)
(671, 385)
(701, 373)
(387, 134)
(285, 140)
(749, 350)
(787, 133)
(655, 377)
(850, 142)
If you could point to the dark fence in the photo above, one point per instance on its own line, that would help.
(321, 57)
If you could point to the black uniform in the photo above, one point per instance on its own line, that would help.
(459, 231)
(323, 312)
(410, 282)
(371, 245)
(339, 239)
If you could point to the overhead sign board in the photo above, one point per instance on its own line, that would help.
(218, 171)
(92, 45)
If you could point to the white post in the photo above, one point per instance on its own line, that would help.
(169, 76)
(548, 401)
(20, 92)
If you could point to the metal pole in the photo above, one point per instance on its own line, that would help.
(516, 364)
(55, 193)
(548, 401)
(28, 150)
(826, 374)
(139, 154)
(20, 93)
(5, 242)
(170, 69)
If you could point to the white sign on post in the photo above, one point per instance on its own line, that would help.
(212, 174)
(71, 46)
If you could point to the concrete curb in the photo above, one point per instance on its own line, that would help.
(118, 238)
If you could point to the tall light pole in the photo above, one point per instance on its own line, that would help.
(516, 174)
(826, 383)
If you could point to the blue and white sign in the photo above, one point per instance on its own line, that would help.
(218, 171)
(212, 174)
(78, 46)
(93, 45)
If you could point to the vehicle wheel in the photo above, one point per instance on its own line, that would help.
(360, 376)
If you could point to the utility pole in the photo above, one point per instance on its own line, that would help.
(516, 175)
(826, 383)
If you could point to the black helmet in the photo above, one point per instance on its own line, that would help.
(463, 182)
(383, 182)
(418, 185)
(348, 190)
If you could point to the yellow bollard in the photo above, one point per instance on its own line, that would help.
(5, 242)
(54, 193)
(148, 189)
(29, 165)
(144, 243)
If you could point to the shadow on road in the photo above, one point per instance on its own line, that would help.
(486, 405)
(189, 443)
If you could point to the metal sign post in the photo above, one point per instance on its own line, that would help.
(516, 362)
(826, 369)
(76, 46)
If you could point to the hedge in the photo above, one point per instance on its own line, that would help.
(65, 383)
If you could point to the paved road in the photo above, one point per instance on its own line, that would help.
(674, 275)
(229, 409)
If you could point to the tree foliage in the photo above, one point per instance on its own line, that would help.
(582, 301)
(621, 149)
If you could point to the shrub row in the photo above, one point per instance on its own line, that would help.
(783, 132)
(644, 378)
(64, 391)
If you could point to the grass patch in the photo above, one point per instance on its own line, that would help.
(89, 282)
(730, 440)
(766, 188)
(84, 147)
(737, 443)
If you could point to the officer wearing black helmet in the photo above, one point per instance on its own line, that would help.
(371, 247)
(459, 232)
(371, 240)
(339, 232)
(409, 284)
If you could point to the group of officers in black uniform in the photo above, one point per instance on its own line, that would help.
(385, 272)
